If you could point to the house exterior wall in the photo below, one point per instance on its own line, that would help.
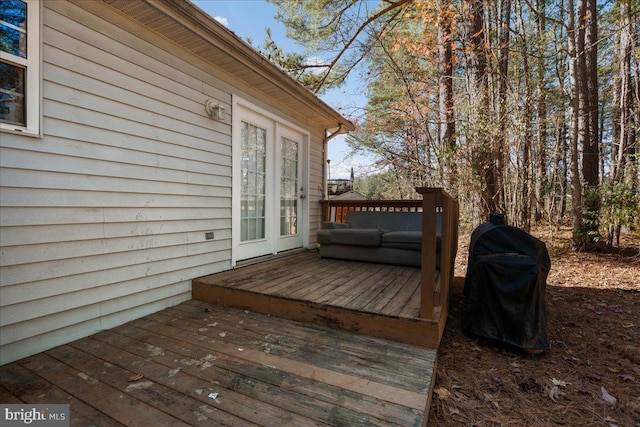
(103, 218)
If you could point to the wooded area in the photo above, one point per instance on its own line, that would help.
(527, 107)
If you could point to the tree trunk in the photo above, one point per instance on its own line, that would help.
(589, 103)
(622, 94)
(574, 111)
(541, 113)
(501, 141)
(483, 160)
(447, 125)
(621, 112)
(524, 192)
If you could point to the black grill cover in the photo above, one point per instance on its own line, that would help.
(505, 286)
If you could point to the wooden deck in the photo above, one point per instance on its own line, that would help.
(372, 299)
(202, 364)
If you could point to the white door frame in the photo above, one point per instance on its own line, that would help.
(276, 127)
(284, 243)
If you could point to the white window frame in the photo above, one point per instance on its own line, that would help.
(32, 64)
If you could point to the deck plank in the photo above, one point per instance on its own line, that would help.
(284, 336)
(353, 284)
(318, 285)
(294, 281)
(7, 397)
(266, 370)
(391, 292)
(124, 409)
(311, 349)
(262, 385)
(398, 302)
(366, 298)
(360, 286)
(25, 386)
(348, 377)
(380, 285)
(152, 355)
(412, 306)
(103, 366)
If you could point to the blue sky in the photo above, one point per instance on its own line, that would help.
(250, 18)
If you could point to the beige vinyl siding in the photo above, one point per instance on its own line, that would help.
(104, 218)
(316, 187)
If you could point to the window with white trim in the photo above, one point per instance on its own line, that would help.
(20, 65)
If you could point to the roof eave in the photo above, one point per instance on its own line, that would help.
(252, 59)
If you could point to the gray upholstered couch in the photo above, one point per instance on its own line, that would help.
(381, 237)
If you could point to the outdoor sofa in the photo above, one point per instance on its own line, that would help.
(380, 237)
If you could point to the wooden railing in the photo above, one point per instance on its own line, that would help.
(434, 287)
(336, 210)
(435, 293)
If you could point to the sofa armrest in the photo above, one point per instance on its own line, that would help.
(330, 225)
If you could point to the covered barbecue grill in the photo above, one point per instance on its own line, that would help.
(505, 286)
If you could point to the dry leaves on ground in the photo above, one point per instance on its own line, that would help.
(591, 375)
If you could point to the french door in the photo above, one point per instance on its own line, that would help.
(269, 185)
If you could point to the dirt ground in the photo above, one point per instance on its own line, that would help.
(591, 375)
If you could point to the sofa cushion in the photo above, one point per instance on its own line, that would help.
(350, 236)
(411, 240)
(387, 221)
(400, 221)
(363, 219)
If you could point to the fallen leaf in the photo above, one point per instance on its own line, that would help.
(559, 382)
(443, 393)
(607, 397)
(555, 393)
(138, 386)
(136, 377)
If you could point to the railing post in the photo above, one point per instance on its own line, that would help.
(324, 210)
(446, 250)
(428, 269)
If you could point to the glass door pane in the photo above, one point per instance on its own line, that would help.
(253, 178)
(288, 187)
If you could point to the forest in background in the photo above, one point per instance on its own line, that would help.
(526, 107)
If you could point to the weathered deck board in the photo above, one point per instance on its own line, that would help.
(250, 334)
(83, 385)
(366, 298)
(266, 370)
(235, 403)
(285, 334)
(24, 386)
